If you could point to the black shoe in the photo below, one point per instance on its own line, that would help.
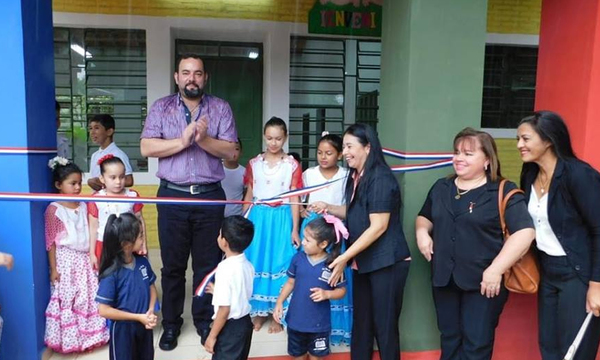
(168, 340)
(203, 335)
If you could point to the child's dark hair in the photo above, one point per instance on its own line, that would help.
(119, 231)
(109, 160)
(333, 140)
(275, 121)
(61, 172)
(238, 232)
(107, 121)
(239, 142)
(296, 156)
(324, 231)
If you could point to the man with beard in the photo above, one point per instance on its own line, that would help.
(189, 132)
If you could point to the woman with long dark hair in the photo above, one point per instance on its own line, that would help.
(563, 195)
(377, 249)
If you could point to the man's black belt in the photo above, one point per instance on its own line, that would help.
(191, 189)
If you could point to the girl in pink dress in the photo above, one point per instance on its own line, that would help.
(72, 320)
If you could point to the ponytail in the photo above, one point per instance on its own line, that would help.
(119, 232)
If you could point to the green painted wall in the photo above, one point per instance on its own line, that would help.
(431, 84)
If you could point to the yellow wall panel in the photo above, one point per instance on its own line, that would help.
(510, 160)
(514, 16)
(272, 10)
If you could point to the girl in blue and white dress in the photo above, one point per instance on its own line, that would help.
(329, 153)
(275, 228)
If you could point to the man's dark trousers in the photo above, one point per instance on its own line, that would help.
(185, 229)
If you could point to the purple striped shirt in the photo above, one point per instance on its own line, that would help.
(193, 165)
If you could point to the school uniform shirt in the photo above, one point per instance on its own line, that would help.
(233, 286)
(380, 195)
(233, 185)
(304, 314)
(110, 149)
(573, 213)
(128, 287)
(467, 234)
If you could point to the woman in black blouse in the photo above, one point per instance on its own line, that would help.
(563, 193)
(459, 231)
(377, 249)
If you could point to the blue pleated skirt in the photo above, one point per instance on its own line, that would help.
(270, 253)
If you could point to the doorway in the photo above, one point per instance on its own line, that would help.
(235, 74)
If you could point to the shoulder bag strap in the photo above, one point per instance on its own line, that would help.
(503, 202)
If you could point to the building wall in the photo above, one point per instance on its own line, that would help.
(270, 22)
(504, 16)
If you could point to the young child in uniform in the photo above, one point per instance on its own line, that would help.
(309, 315)
(231, 332)
(329, 153)
(126, 293)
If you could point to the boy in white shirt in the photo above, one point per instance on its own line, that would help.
(233, 183)
(102, 129)
(231, 332)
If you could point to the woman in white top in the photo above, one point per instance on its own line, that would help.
(564, 201)
(329, 153)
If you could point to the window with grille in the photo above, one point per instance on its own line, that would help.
(333, 83)
(508, 85)
(101, 71)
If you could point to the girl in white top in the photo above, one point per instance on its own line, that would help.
(112, 175)
(329, 153)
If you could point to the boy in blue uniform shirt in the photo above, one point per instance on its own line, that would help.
(231, 333)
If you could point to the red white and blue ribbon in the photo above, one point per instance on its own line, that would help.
(13, 196)
(201, 289)
(297, 192)
(274, 201)
(419, 167)
(417, 155)
(26, 150)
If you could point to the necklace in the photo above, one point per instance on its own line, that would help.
(462, 193)
(268, 170)
(543, 185)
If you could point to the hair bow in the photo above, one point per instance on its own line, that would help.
(324, 133)
(338, 226)
(57, 160)
(104, 158)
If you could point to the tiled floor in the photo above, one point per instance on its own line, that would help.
(189, 348)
